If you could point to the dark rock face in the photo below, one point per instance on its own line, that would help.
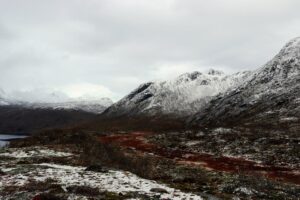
(194, 75)
(271, 96)
(139, 90)
(215, 72)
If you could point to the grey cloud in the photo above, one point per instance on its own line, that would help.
(120, 44)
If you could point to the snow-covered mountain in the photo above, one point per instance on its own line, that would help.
(181, 96)
(55, 101)
(271, 95)
(93, 106)
(18, 116)
(3, 100)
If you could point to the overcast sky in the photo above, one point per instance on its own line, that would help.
(109, 47)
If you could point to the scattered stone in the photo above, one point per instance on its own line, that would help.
(47, 196)
(159, 190)
(83, 190)
(1, 173)
(96, 168)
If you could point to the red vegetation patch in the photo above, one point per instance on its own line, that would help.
(138, 141)
(135, 140)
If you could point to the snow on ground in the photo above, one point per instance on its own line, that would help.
(33, 152)
(191, 143)
(288, 119)
(112, 181)
(221, 130)
(116, 181)
(243, 190)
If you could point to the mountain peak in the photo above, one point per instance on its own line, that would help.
(191, 76)
(291, 49)
(295, 42)
(215, 72)
(285, 66)
(194, 75)
(273, 88)
(186, 77)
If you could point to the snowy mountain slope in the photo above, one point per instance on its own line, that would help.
(55, 101)
(3, 100)
(181, 96)
(26, 117)
(271, 95)
(94, 106)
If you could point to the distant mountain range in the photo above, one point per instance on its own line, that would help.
(56, 103)
(3, 101)
(25, 117)
(95, 106)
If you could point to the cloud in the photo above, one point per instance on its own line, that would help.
(81, 91)
(117, 44)
(87, 91)
(40, 95)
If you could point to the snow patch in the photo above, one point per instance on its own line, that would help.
(191, 143)
(112, 181)
(289, 119)
(33, 152)
(222, 130)
(244, 190)
(116, 181)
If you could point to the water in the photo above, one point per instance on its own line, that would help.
(4, 139)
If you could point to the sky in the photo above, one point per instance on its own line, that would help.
(106, 48)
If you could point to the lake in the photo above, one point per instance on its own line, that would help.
(4, 139)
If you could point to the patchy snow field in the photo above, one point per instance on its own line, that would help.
(120, 182)
(33, 152)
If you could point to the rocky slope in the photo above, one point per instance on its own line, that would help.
(179, 97)
(271, 96)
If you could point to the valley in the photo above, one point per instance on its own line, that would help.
(198, 136)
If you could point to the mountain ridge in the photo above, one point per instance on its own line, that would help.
(272, 92)
(181, 96)
(81, 104)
